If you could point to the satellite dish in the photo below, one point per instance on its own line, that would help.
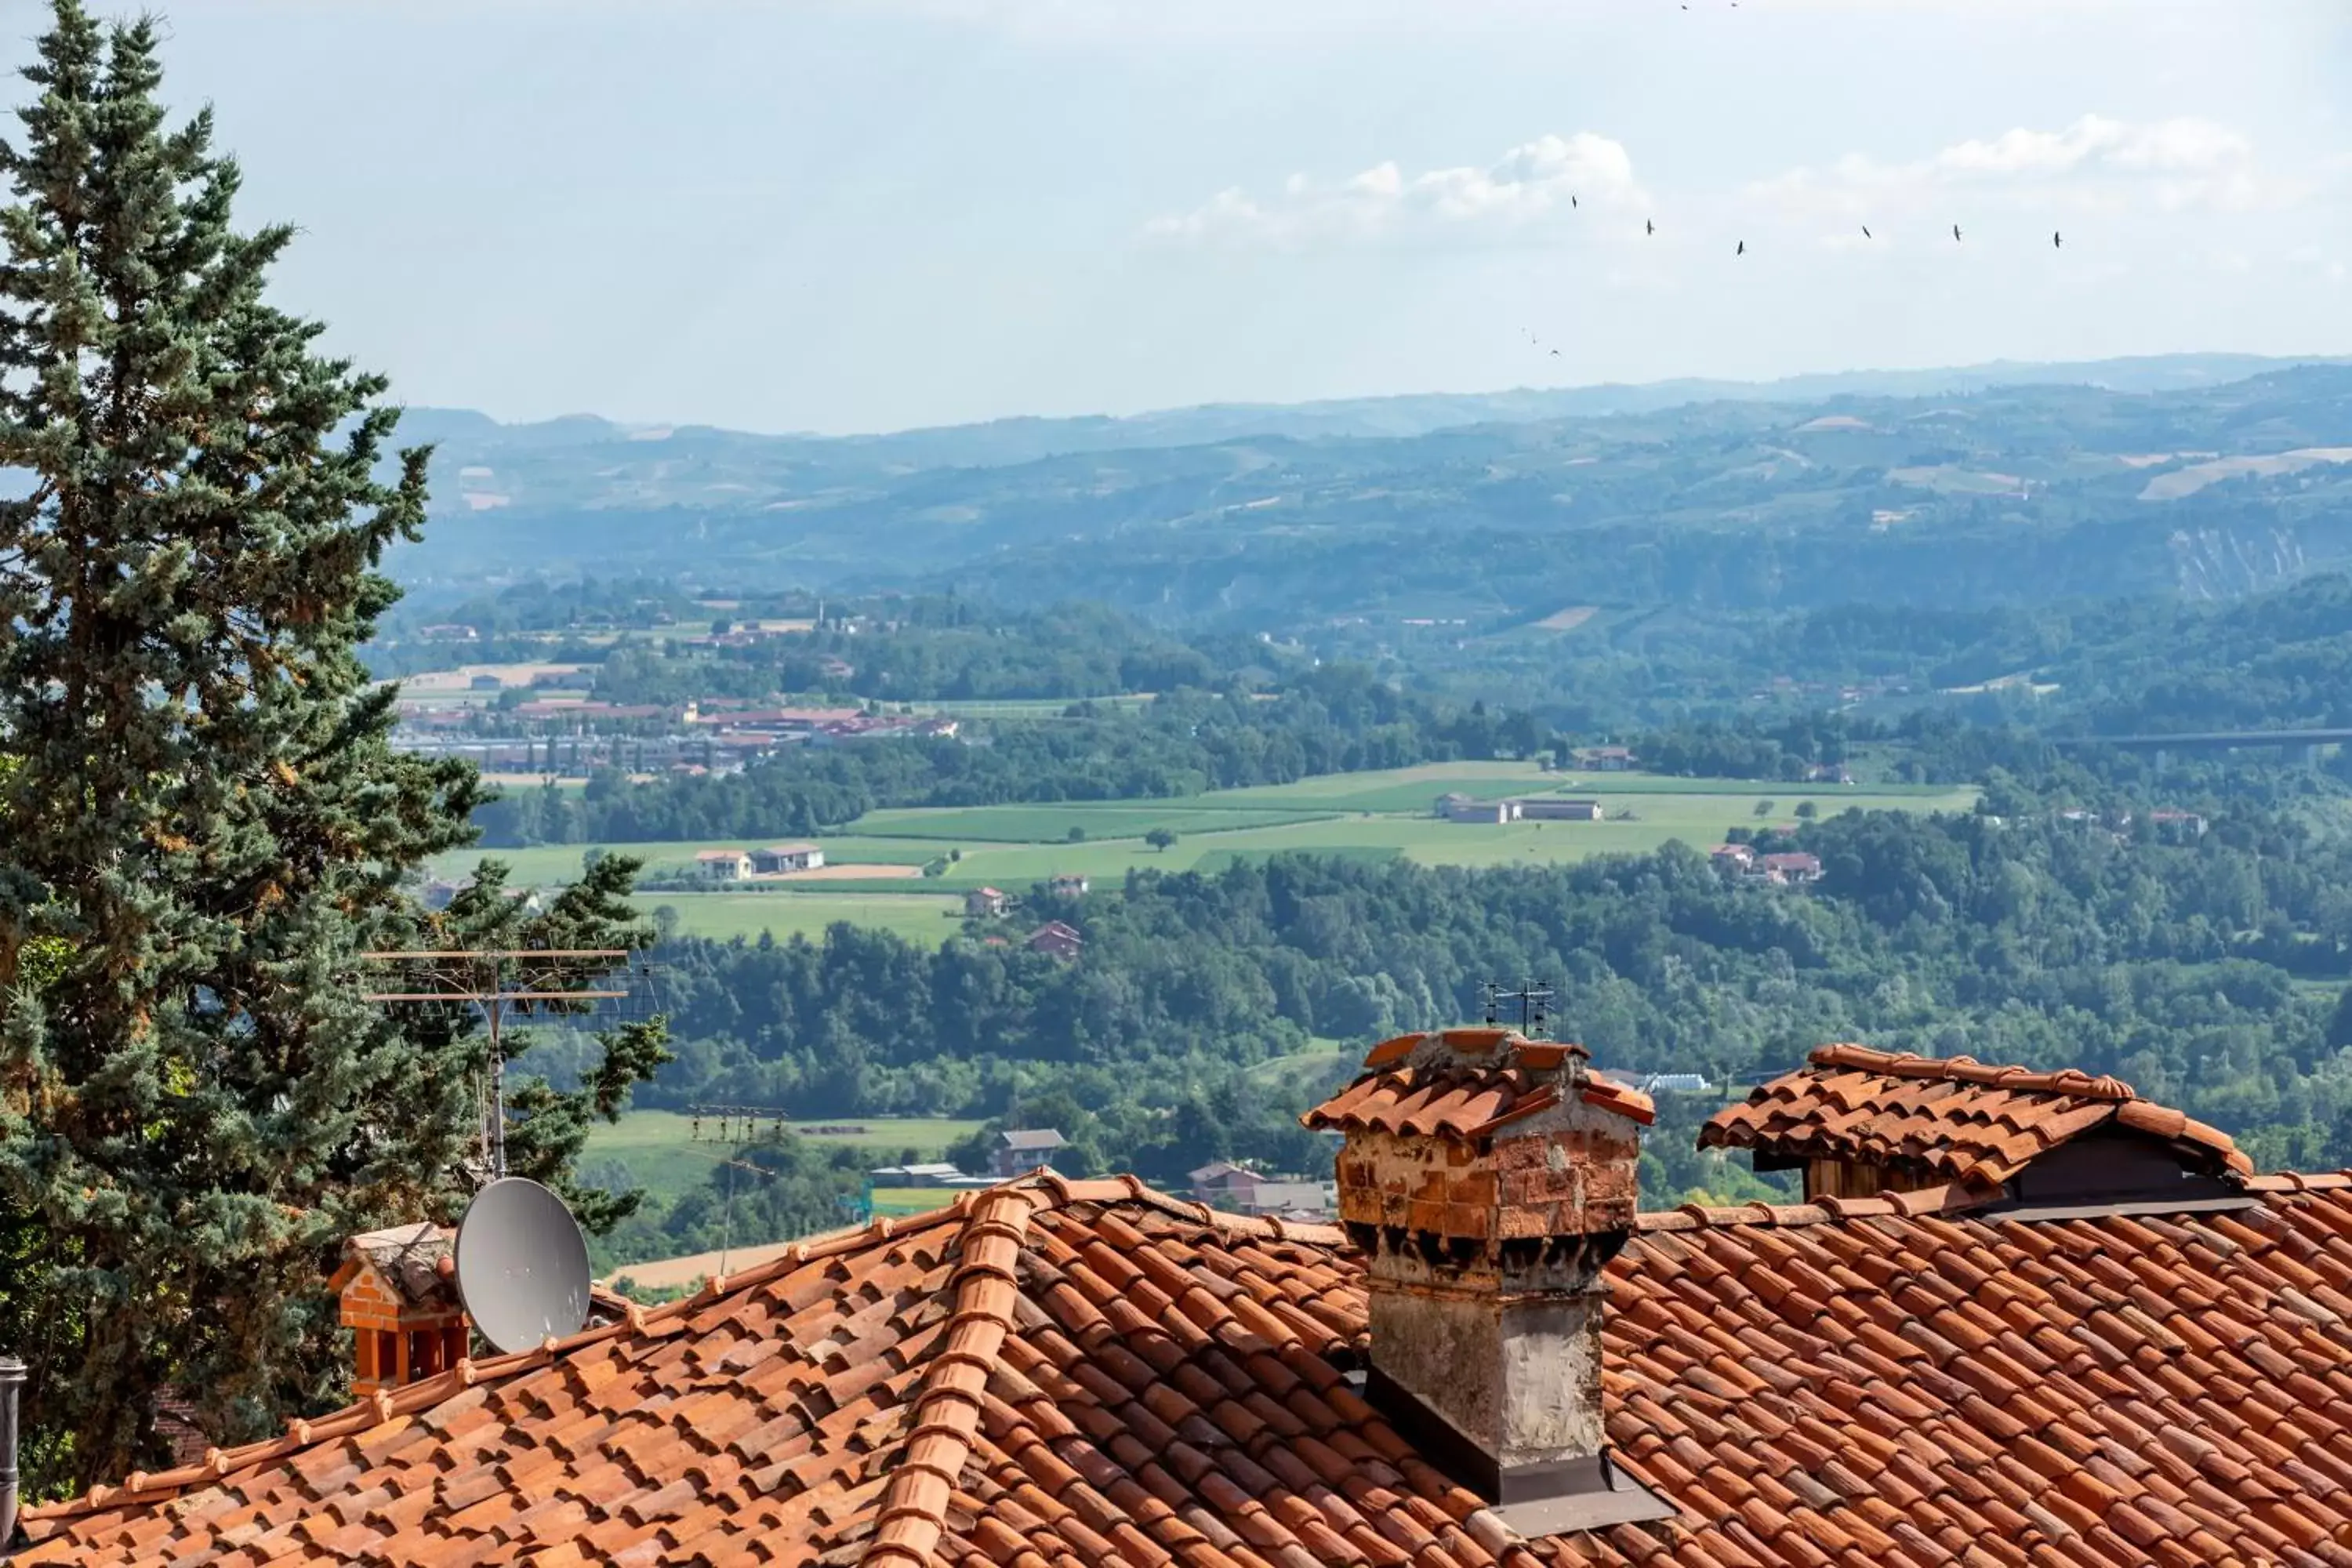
(522, 1265)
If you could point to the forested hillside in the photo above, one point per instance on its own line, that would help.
(1982, 495)
(2148, 663)
(2206, 968)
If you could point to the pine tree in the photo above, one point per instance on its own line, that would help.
(202, 821)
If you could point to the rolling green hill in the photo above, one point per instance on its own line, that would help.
(2014, 485)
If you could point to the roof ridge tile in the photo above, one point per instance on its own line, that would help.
(911, 1516)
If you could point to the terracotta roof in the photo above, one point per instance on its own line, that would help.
(1467, 1083)
(1072, 1373)
(1958, 1119)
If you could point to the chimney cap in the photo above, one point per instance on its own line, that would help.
(410, 1259)
(1469, 1083)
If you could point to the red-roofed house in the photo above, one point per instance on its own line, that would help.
(1859, 1122)
(1057, 939)
(723, 865)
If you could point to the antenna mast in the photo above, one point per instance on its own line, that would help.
(1535, 1006)
(497, 980)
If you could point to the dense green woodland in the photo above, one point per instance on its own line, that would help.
(947, 649)
(2147, 664)
(2206, 971)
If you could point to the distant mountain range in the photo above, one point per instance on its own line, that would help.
(1022, 440)
(2203, 474)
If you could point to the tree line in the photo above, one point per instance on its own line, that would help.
(2204, 969)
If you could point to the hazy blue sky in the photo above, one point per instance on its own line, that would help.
(882, 213)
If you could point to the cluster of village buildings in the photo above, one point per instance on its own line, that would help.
(575, 736)
(1055, 939)
(1789, 868)
(752, 864)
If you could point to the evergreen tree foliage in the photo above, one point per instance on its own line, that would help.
(202, 823)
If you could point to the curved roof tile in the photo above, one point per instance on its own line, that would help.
(1468, 1084)
(1061, 1373)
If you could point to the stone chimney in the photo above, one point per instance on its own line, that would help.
(398, 1292)
(1487, 1179)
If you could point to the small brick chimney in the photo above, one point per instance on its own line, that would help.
(399, 1297)
(1488, 1179)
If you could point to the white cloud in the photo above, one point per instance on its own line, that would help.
(2095, 165)
(1535, 181)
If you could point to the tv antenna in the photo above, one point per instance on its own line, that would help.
(499, 981)
(729, 1117)
(1534, 1002)
(522, 1266)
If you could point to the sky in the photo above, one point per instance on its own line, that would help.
(865, 215)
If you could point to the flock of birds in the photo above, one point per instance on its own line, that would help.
(1649, 228)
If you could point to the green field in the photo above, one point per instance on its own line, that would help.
(664, 1158)
(1300, 1072)
(1051, 823)
(1395, 789)
(546, 864)
(1369, 817)
(926, 919)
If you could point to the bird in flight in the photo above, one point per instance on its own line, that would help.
(2057, 240)
(1742, 250)
(1865, 231)
(1555, 353)
(1572, 201)
(1649, 225)
(1956, 234)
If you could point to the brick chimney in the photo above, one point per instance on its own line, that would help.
(1487, 1179)
(398, 1292)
